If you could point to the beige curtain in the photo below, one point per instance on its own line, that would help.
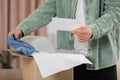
(12, 12)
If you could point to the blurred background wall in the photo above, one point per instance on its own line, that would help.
(12, 12)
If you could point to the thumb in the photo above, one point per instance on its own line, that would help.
(75, 31)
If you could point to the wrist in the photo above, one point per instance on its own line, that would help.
(20, 31)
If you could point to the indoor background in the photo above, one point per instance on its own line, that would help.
(12, 12)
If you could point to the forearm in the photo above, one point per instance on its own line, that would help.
(107, 22)
(40, 17)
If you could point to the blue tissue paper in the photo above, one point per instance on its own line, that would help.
(20, 45)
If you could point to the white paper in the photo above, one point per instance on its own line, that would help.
(51, 61)
(50, 64)
(62, 24)
(65, 24)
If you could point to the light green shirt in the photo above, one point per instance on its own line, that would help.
(104, 45)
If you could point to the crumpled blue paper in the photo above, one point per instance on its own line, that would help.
(20, 45)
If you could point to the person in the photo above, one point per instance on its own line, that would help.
(102, 31)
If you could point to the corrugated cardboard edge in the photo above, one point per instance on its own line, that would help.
(34, 72)
(17, 53)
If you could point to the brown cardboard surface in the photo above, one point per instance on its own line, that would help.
(10, 74)
(30, 70)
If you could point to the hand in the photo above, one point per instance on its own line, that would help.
(17, 33)
(83, 33)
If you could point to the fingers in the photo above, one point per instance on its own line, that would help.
(17, 33)
(83, 38)
(83, 33)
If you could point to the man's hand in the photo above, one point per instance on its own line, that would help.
(83, 33)
(17, 33)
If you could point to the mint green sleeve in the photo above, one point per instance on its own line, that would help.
(109, 21)
(40, 17)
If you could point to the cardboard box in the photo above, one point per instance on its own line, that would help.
(10, 74)
(30, 70)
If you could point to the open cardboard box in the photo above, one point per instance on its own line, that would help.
(30, 70)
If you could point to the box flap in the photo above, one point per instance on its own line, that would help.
(17, 53)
